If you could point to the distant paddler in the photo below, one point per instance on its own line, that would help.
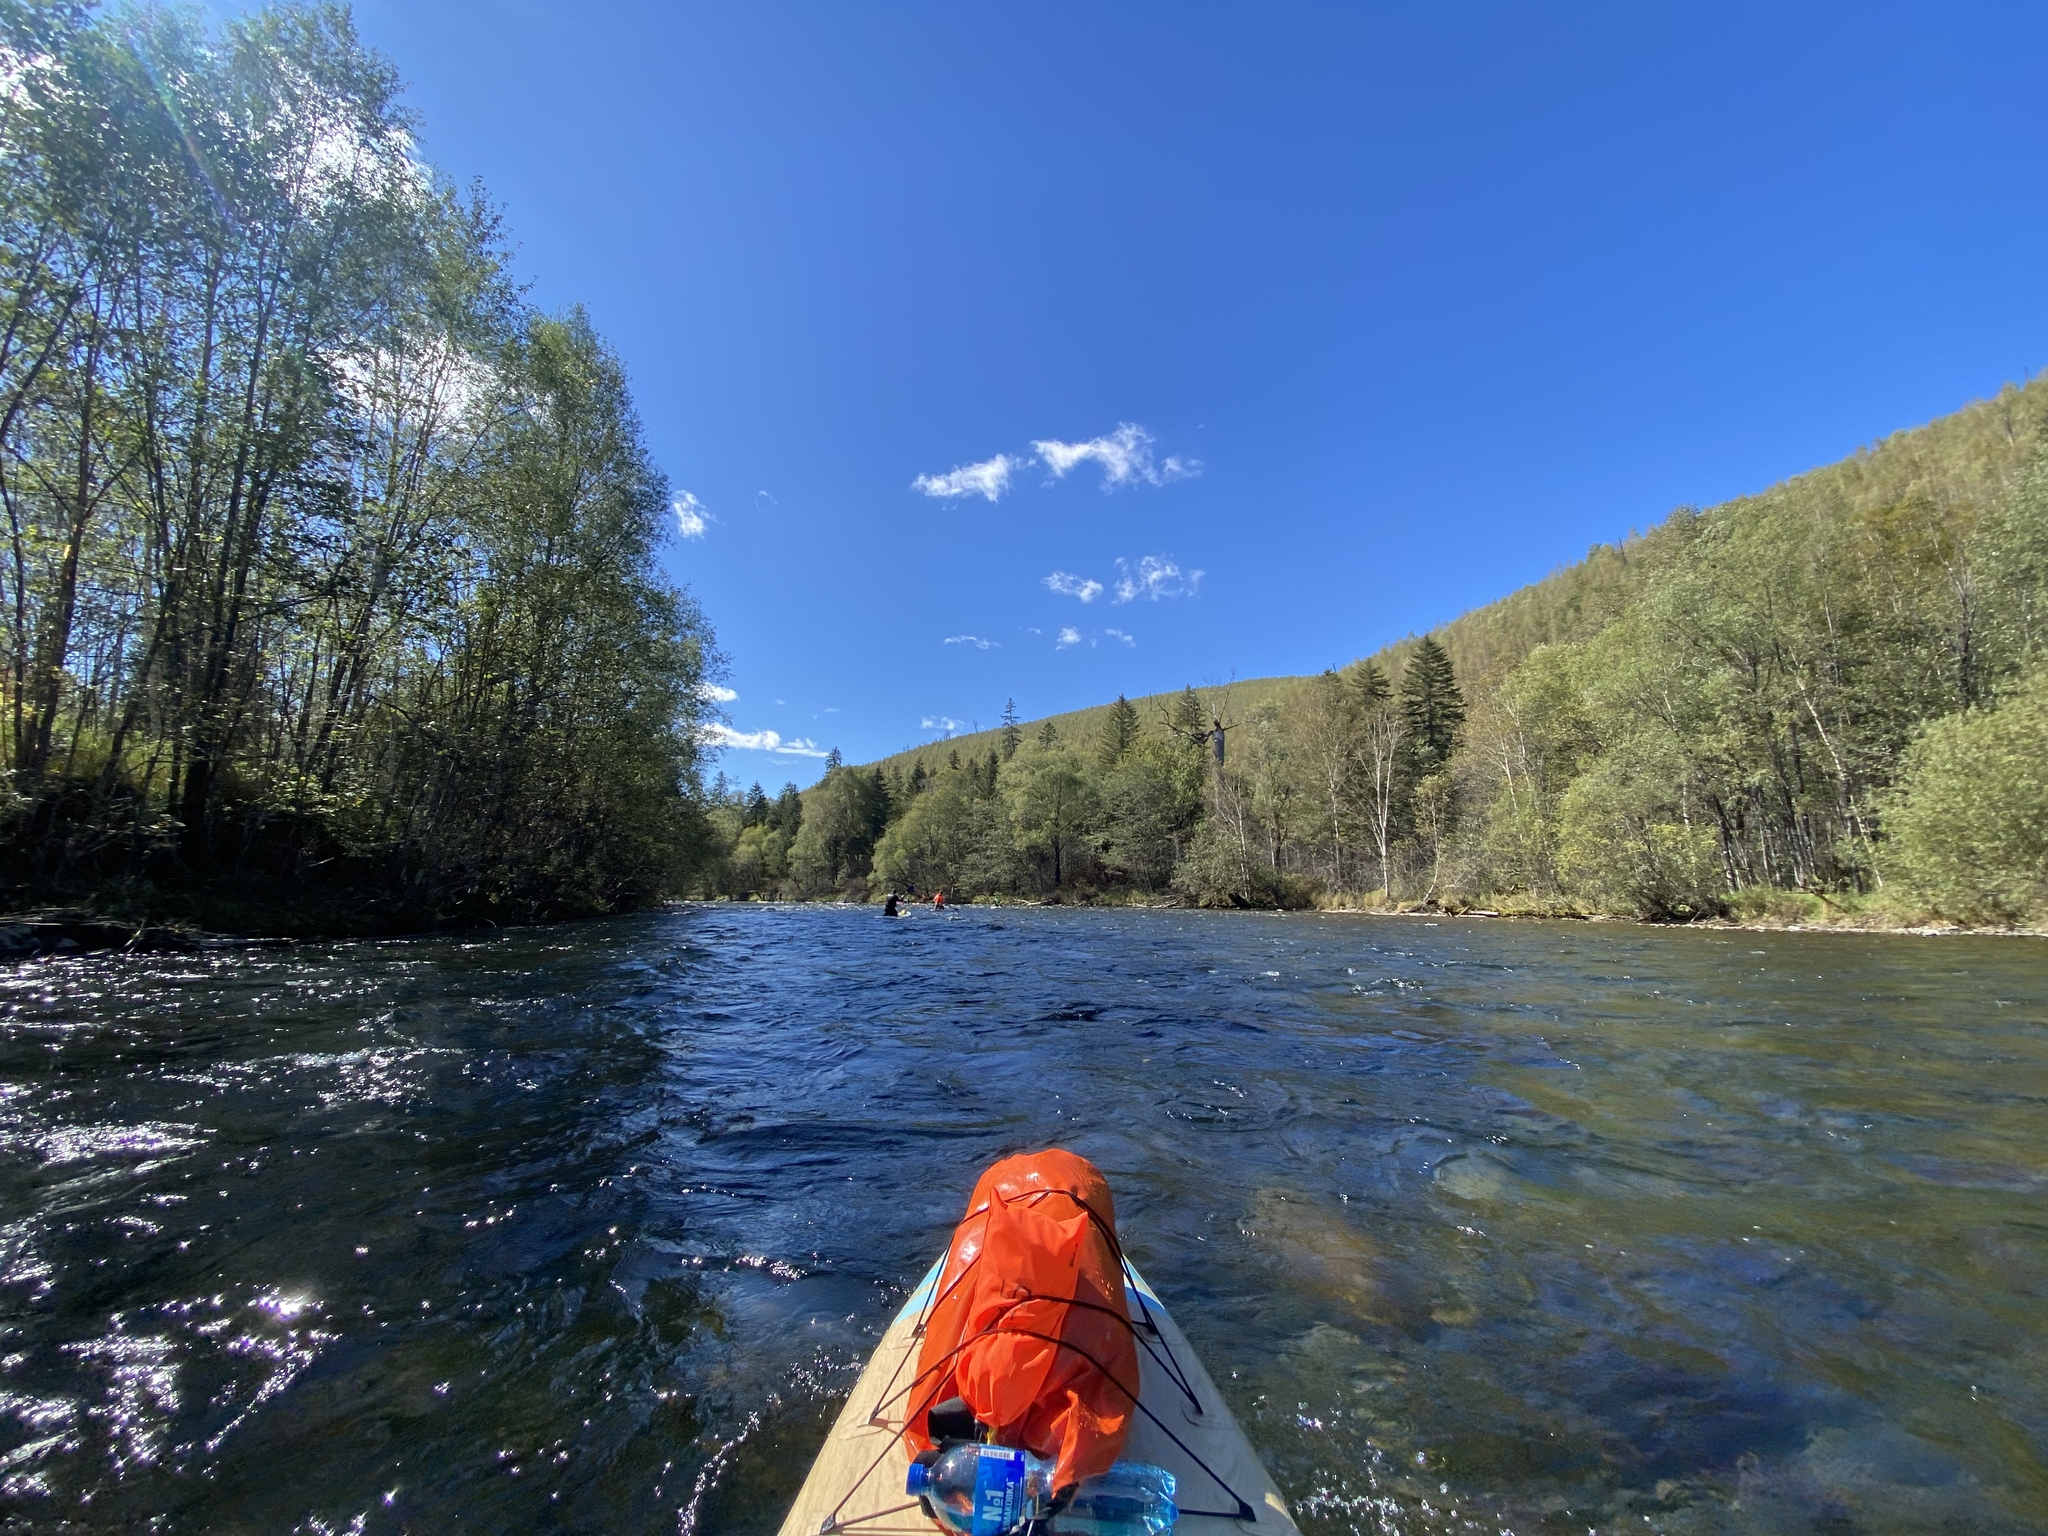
(889, 906)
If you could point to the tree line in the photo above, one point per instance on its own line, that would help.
(330, 572)
(1828, 699)
(1191, 803)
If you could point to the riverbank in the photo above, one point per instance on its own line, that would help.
(67, 931)
(1788, 918)
(1764, 912)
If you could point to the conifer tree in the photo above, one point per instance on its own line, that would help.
(788, 814)
(1432, 706)
(1048, 735)
(1012, 736)
(1370, 685)
(1119, 732)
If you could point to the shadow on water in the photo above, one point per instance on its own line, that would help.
(1481, 1226)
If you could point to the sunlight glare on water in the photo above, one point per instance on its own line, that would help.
(1481, 1226)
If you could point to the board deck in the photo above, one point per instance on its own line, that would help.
(856, 1484)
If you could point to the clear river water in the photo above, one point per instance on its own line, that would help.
(1481, 1226)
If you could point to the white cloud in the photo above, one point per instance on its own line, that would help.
(1068, 636)
(1117, 634)
(976, 641)
(1154, 577)
(763, 501)
(711, 693)
(945, 725)
(692, 516)
(720, 735)
(1125, 456)
(989, 479)
(1067, 584)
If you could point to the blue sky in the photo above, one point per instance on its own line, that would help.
(1367, 315)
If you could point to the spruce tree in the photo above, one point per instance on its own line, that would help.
(1119, 732)
(789, 811)
(1432, 706)
(1048, 735)
(1369, 684)
(1013, 738)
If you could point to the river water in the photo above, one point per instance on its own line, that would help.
(1481, 1226)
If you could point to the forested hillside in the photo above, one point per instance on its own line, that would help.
(330, 593)
(1830, 697)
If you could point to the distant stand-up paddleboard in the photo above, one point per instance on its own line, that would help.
(1176, 1420)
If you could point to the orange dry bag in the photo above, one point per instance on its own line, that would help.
(1029, 1326)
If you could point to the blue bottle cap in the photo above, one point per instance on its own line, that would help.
(920, 1479)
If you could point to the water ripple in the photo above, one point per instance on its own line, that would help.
(1480, 1227)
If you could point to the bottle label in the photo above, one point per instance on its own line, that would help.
(998, 1491)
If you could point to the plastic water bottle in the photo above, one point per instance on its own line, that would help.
(1133, 1498)
(983, 1490)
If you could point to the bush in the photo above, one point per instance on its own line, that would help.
(1624, 848)
(1969, 822)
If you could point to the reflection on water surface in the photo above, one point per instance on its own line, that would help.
(1482, 1226)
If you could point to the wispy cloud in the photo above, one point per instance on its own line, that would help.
(692, 516)
(976, 641)
(717, 734)
(1068, 636)
(711, 693)
(1125, 457)
(988, 479)
(1067, 584)
(945, 725)
(764, 502)
(1154, 577)
(1117, 634)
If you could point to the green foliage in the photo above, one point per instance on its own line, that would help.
(843, 818)
(1221, 869)
(333, 567)
(932, 843)
(1052, 800)
(1624, 848)
(1119, 732)
(1432, 705)
(1969, 819)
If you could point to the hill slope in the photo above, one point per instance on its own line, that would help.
(1962, 463)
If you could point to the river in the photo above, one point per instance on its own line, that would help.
(1481, 1226)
